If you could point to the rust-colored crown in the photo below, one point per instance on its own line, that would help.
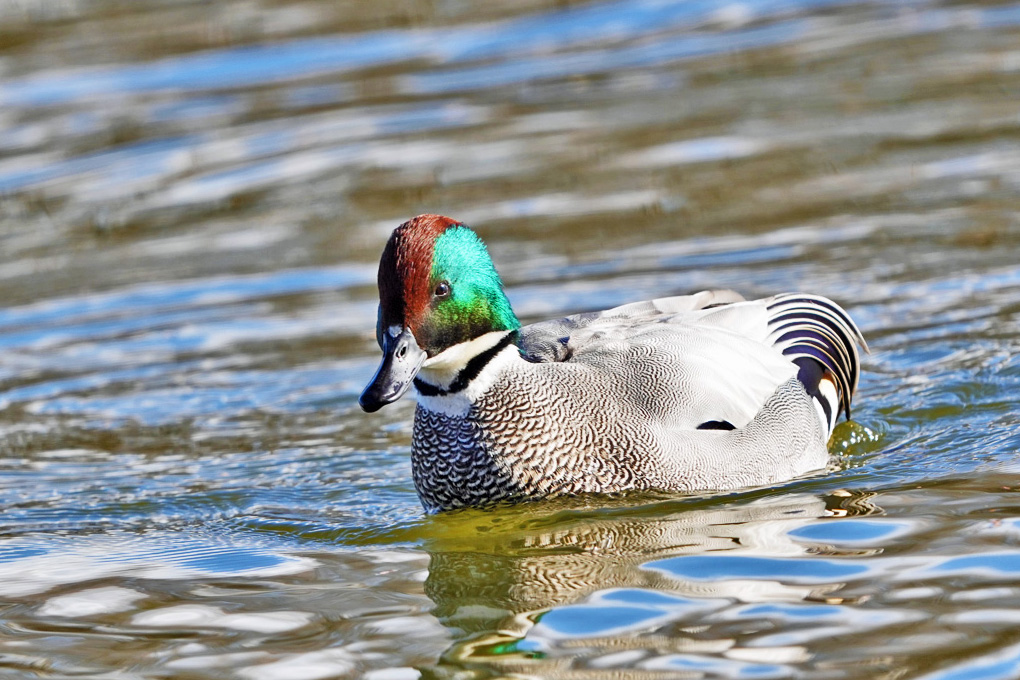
(406, 266)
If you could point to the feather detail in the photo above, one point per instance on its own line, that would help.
(805, 326)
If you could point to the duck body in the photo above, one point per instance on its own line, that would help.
(704, 392)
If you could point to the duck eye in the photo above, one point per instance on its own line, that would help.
(442, 290)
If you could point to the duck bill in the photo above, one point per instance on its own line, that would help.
(402, 359)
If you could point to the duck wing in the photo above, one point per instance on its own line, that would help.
(709, 360)
(547, 341)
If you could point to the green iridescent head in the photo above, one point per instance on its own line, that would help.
(437, 288)
(437, 280)
(467, 293)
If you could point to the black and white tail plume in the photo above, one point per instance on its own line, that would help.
(822, 339)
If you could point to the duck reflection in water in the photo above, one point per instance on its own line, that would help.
(516, 594)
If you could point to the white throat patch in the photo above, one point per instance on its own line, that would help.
(443, 369)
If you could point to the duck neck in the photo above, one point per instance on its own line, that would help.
(465, 370)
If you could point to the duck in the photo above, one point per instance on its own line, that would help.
(699, 393)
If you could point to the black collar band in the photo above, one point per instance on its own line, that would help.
(468, 373)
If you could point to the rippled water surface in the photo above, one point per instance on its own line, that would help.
(193, 198)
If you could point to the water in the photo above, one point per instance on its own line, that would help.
(193, 198)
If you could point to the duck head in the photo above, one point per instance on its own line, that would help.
(437, 288)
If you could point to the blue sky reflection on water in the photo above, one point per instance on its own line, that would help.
(263, 64)
(193, 198)
(249, 65)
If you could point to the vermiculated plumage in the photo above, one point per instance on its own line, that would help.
(618, 408)
(695, 393)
